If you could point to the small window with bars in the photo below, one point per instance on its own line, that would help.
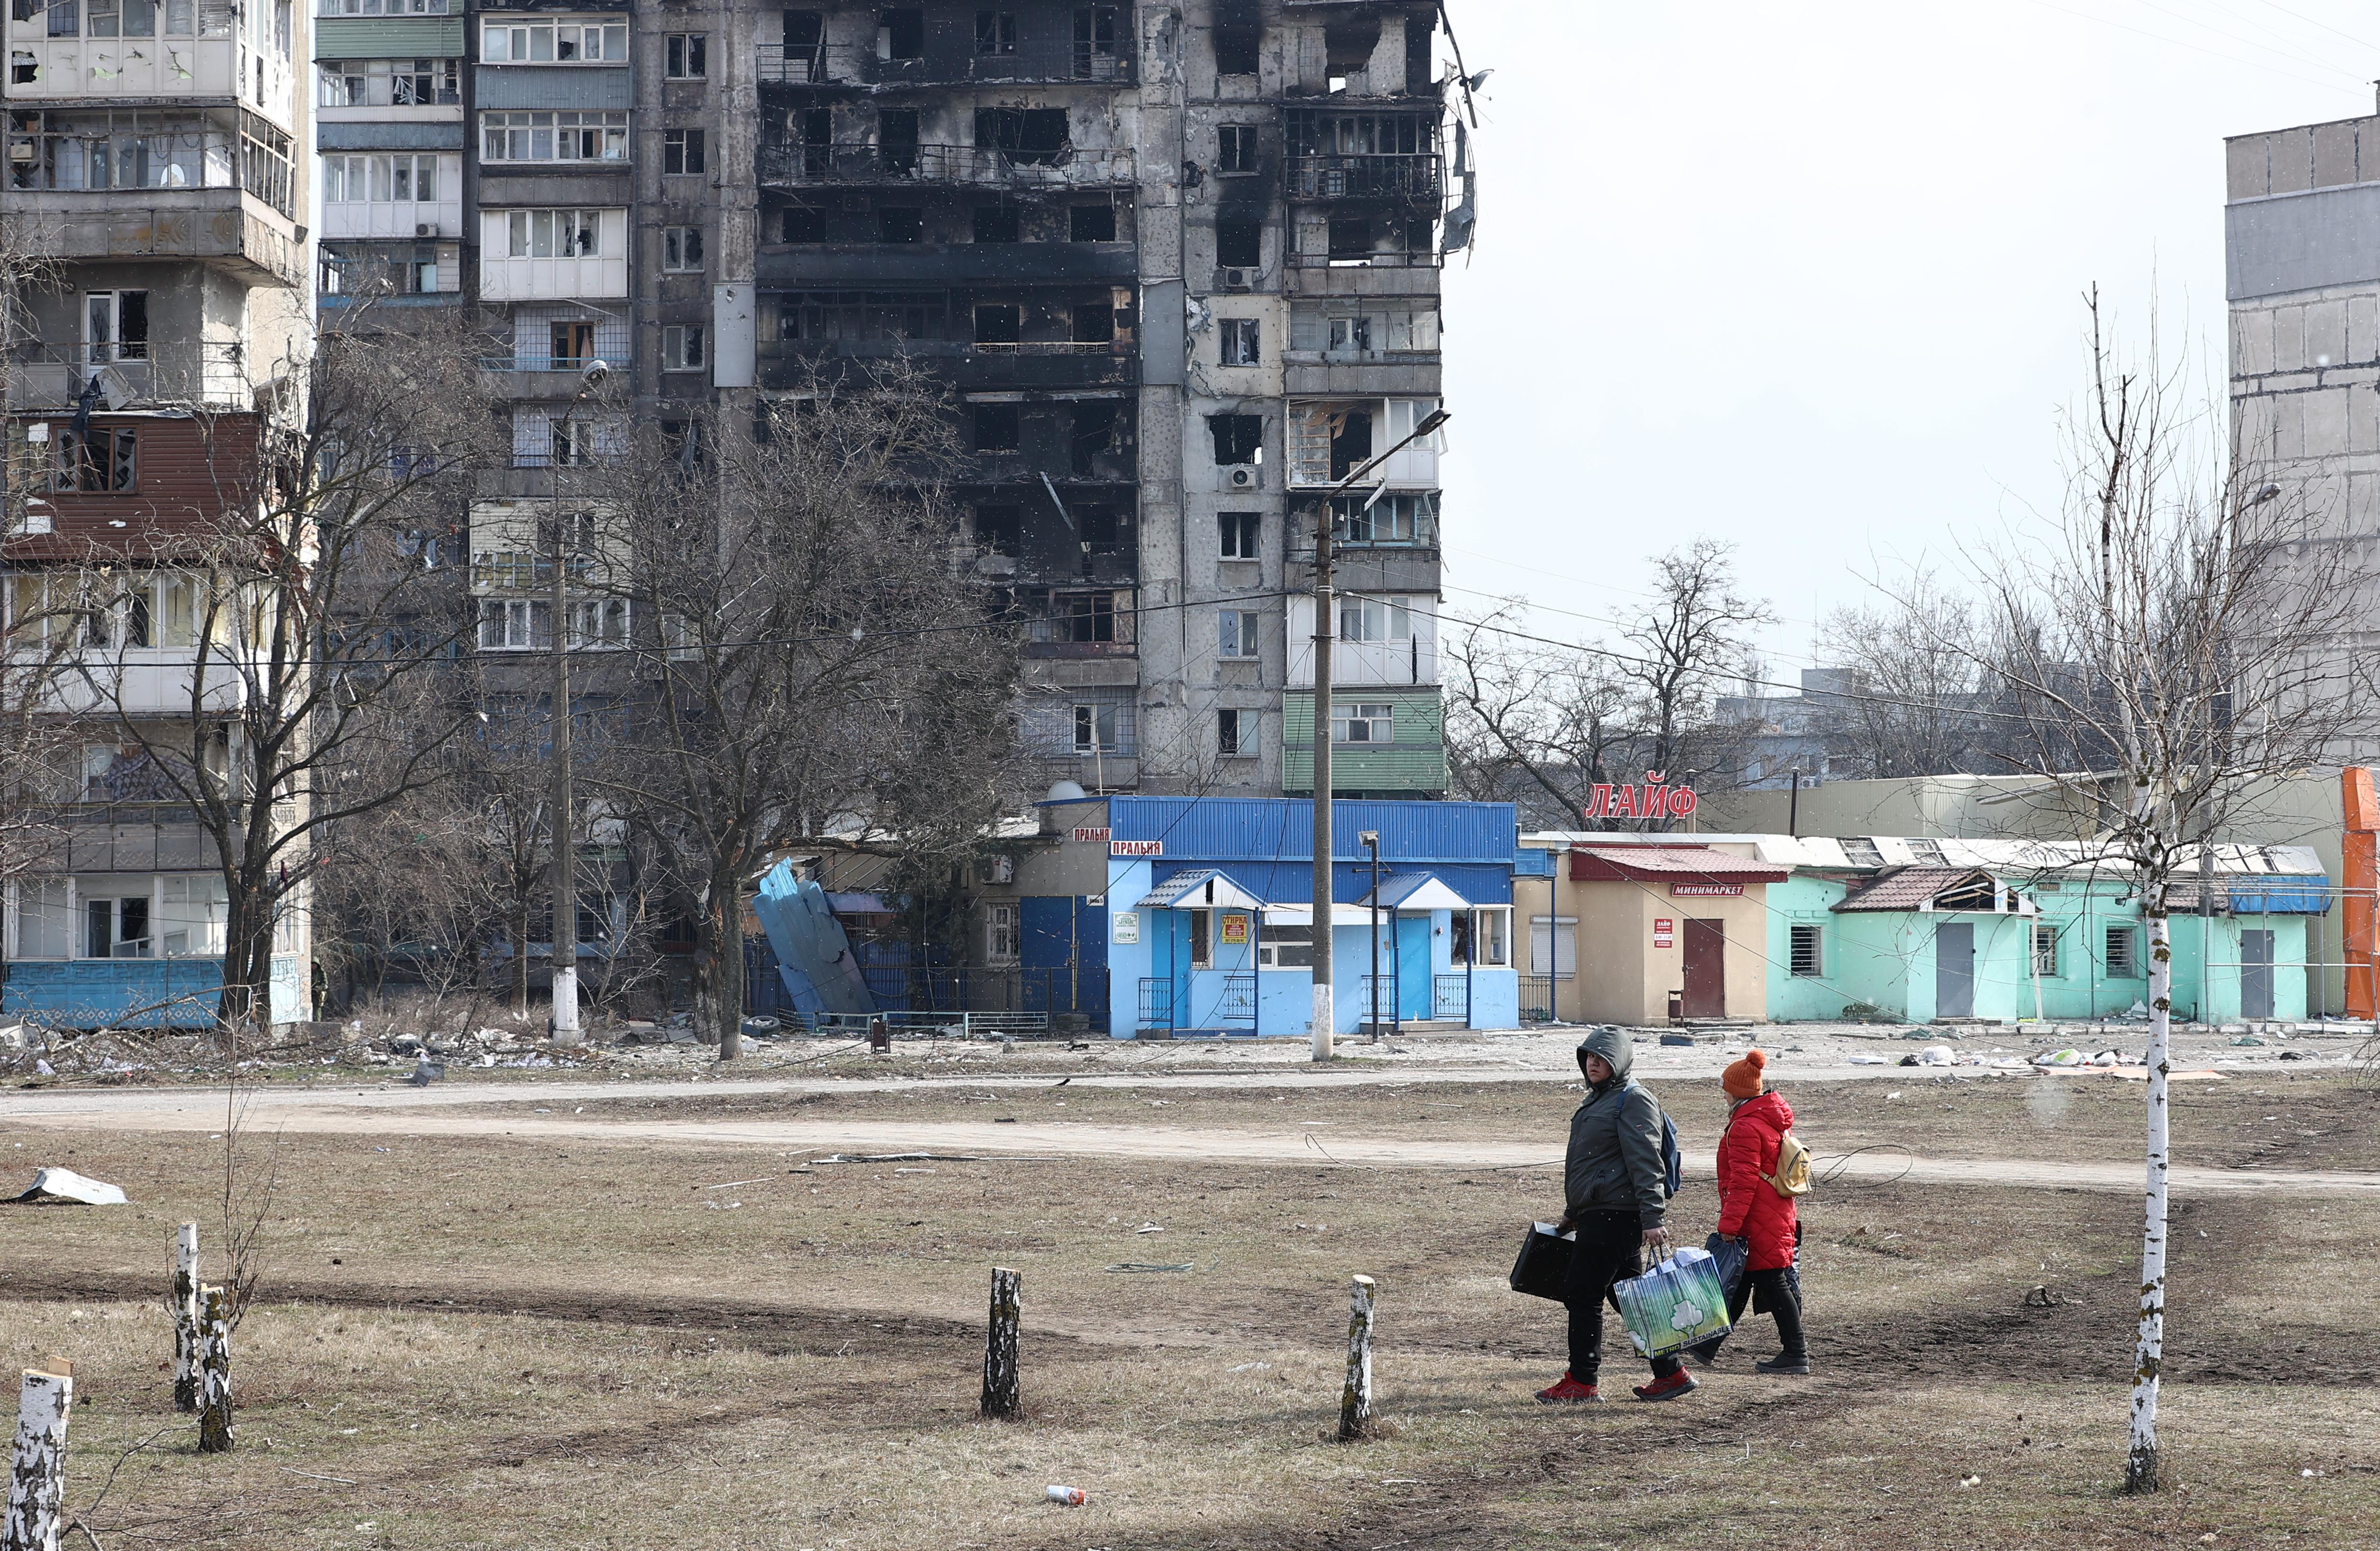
(1809, 948)
(2123, 958)
(2045, 951)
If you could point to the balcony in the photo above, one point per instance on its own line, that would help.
(211, 375)
(1415, 179)
(884, 265)
(844, 65)
(558, 378)
(852, 164)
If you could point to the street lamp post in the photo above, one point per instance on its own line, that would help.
(1323, 638)
(565, 883)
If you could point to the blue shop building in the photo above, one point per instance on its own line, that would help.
(1198, 912)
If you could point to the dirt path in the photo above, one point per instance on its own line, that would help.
(372, 1114)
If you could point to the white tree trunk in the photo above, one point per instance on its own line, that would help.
(999, 1379)
(1355, 1399)
(214, 1366)
(37, 1478)
(2141, 1466)
(184, 1305)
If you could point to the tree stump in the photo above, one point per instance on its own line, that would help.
(214, 1371)
(1355, 1399)
(184, 1305)
(1000, 1383)
(37, 1481)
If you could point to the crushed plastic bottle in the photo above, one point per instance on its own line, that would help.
(1073, 1497)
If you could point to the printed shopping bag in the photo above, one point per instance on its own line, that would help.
(1544, 1264)
(1678, 1303)
(1730, 1255)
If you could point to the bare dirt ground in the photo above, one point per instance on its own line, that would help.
(540, 1340)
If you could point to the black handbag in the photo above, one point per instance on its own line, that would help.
(1544, 1264)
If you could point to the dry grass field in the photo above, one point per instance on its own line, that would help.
(506, 1343)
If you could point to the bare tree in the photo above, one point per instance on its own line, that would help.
(2189, 630)
(307, 593)
(1903, 702)
(1544, 723)
(807, 660)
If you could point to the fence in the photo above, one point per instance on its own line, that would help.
(1450, 998)
(1536, 998)
(1051, 996)
(1163, 1005)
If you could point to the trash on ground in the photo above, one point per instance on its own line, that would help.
(427, 1072)
(1130, 1266)
(64, 1184)
(2059, 1058)
(1075, 1496)
(1249, 1368)
(1677, 1039)
(898, 1158)
(1148, 1228)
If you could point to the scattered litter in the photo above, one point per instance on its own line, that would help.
(2059, 1058)
(1894, 1093)
(897, 1157)
(64, 1184)
(1075, 1496)
(1132, 1265)
(1677, 1039)
(733, 1184)
(1937, 1055)
(1148, 1228)
(2247, 1040)
(1970, 1481)
(1870, 1061)
(426, 1071)
(721, 1206)
(1250, 1368)
(44, 1069)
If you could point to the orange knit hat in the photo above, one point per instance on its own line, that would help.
(1743, 1078)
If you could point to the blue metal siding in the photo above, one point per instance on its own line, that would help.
(124, 993)
(1292, 881)
(2292, 895)
(1222, 828)
(534, 86)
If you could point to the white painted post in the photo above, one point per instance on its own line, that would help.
(999, 1381)
(1355, 1399)
(215, 1365)
(37, 1478)
(184, 1306)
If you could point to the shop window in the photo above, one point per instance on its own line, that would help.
(1285, 948)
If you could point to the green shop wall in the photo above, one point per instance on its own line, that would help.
(1415, 763)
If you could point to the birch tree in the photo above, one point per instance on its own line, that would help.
(2186, 630)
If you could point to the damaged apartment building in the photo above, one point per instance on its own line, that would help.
(1179, 263)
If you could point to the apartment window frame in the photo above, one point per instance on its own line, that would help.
(388, 83)
(536, 137)
(682, 250)
(1236, 150)
(685, 347)
(995, 34)
(1806, 950)
(515, 625)
(579, 230)
(686, 56)
(2045, 950)
(115, 326)
(685, 153)
(379, 175)
(1239, 637)
(75, 470)
(542, 40)
(1239, 534)
(996, 426)
(1377, 719)
(1236, 732)
(1240, 341)
(1097, 727)
(1238, 439)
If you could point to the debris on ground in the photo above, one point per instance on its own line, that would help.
(64, 1184)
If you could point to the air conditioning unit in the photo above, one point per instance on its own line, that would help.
(1242, 475)
(425, 228)
(1235, 279)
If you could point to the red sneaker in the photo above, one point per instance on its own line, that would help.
(1670, 1388)
(1568, 1392)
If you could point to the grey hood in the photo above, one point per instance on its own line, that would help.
(1613, 1044)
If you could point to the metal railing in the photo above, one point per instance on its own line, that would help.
(1450, 997)
(824, 63)
(1426, 259)
(1156, 1004)
(1379, 997)
(1537, 999)
(1406, 176)
(859, 163)
(54, 376)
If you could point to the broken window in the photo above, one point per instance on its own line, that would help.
(804, 45)
(1095, 43)
(995, 223)
(1230, 733)
(117, 325)
(1084, 617)
(1091, 223)
(1094, 323)
(1351, 444)
(681, 250)
(1239, 337)
(896, 140)
(1238, 634)
(1351, 236)
(1410, 517)
(1418, 75)
(1240, 532)
(862, 315)
(901, 34)
(688, 56)
(1348, 47)
(1239, 244)
(804, 224)
(998, 324)
(1238, 438)
(1237, 49)
(998, 428)
(1029, 136)
(900, 224)
(95, 463)
(683, 150)
(1103, 531)
(1094, 432)
(1235, 148)
(999, 529)
(995, 33)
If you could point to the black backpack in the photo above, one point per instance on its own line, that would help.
(1673, 1161)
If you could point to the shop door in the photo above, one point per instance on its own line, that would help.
(1706, 969)
(1413, 967)
(1954, 970)
(2256, 974)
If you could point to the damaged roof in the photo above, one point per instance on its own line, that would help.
(1921, 888)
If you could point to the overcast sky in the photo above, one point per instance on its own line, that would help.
(1807, 277)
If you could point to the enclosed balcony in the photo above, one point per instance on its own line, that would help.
(1087, 43)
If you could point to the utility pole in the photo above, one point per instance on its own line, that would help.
(1323, 636)
(565, 884)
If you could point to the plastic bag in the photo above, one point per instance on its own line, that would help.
(1680, 1303)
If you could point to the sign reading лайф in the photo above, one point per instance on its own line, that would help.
(1655, 799)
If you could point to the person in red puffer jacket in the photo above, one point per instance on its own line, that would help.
(1754, 1211)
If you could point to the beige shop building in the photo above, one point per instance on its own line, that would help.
(1620, 933)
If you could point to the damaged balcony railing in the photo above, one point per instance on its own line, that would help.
(212, 373)
(804, 164)
(812, 61)
(1415, 178)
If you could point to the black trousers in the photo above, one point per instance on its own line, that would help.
(1609, 1248)
(1775, 1293)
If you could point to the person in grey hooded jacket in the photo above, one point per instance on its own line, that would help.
(1614, 1199)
